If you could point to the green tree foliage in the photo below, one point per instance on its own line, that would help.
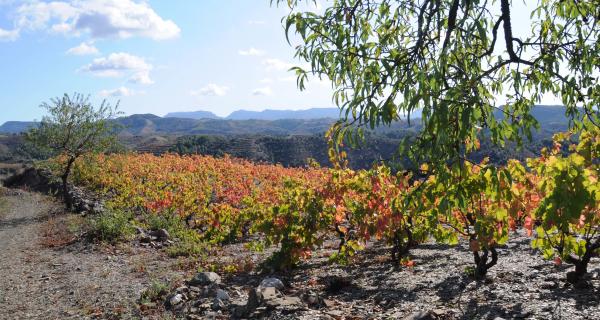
(72, 128)
(452, 59)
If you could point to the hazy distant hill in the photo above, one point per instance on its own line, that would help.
(192, 115)
(268, 122)
(313, 113)
(151, 124)
(16, 126)
(268, 114)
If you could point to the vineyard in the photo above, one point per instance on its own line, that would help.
(555, 198)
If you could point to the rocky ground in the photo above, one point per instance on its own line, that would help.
(45, 277)
(521, 286)
(50, 272)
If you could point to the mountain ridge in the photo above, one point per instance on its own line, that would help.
(266, 114)
(144, 124)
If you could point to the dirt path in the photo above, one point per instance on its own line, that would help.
(68, 283)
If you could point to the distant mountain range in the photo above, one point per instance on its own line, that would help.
(267, 122)
(192, 115)
(16, 126)
(268, 114)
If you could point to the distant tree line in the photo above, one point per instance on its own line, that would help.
(295, 150)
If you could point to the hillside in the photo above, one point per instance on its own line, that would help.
(267, 122)
(269, 114)
(151, 124)
(192, 115)
(16, 126)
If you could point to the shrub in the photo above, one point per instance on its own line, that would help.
(157, 291)
(569, 212)
(112, 226)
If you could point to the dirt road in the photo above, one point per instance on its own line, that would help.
(37, 282)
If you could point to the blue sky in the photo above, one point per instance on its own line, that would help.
(159, 56)
(153, 56)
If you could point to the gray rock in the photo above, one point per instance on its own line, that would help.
(175, 299)
(314, 300)
(223, 295)
(160, 234)
(269, 293)
(272, 282)
(271, 298)
(218, 304)
(205, 278)
(258, 296)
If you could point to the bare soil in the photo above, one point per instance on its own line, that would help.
(70, 280)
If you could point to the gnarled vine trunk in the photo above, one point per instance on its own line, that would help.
(481, 261)
(581, 263)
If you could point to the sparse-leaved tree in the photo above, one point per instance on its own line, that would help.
(72, 128)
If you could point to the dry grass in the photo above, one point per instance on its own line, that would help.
(59, 231)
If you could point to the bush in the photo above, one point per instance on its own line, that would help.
(156, 292)
(187, 241)
(112, 226)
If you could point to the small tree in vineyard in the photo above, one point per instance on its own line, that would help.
(72, 128)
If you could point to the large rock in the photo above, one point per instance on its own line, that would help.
(205, 279)
(160, 234)
(271, 298)
(272, 282)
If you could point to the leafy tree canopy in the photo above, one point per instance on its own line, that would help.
(455, 60)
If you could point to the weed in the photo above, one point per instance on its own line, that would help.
(187, 241)
(111, 226)
(155, 292)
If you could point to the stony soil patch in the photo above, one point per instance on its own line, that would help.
(521, 286)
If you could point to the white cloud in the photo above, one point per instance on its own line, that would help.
(211, 90)
(118, 92)
(8, 35)
(276, 64)
(99, 18)
(83, 49)
(266, 91)
(52, 15)
(251, 52)
(142, 77)
(119, 65)
(266, 80)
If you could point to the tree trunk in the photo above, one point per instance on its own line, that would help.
(65, 184)
(580, 267)
(581, 264)
(481, 262)
(402, 248)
